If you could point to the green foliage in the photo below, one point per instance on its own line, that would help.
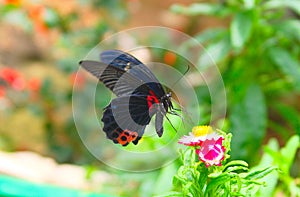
(257, 50)
(257, 54)
(282, 159)
(235, 178)
(53, 102)
(249, 116)
(232, 179)
(287, 64)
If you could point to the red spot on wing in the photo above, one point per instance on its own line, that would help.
(151, 99)
(126, 136)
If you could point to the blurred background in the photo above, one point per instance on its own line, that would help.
(255, 43)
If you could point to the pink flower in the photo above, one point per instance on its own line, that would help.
(208, 143)
(211, 152)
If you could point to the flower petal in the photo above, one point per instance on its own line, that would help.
(211, 152)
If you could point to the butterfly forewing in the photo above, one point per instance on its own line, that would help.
(110, 76)
(134, 67)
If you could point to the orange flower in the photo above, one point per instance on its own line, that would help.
(36, 13)
(34, 84)
(2, 91)
(170, 58)
(12, 2)
(77, 80)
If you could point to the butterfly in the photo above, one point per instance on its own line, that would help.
(140, 96)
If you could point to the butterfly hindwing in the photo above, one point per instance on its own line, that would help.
(126, 114)
(117, 134)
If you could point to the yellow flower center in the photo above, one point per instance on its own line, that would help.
(202, 130)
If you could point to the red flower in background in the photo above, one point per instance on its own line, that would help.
(2, 91)
(13, 78)
(12, 2)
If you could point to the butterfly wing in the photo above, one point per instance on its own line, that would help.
(125, 119)
(122, 73)
(130, 80)
(126, 61)
(110, 76)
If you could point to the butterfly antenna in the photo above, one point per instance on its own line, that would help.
(187, 70)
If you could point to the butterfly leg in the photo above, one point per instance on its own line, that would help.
(171, 124)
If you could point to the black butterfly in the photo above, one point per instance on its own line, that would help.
(140, 96)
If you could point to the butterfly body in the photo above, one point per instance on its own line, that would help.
(140, 96)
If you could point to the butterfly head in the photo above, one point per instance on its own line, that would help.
(166, 100)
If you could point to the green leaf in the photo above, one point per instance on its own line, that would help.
(188, 157)
(170, 194)
(163, 183)
(271, 151)
(177, 181)
(258, 174)
(19, 18)
(196, 9)
(180, 174)
(214, 53)
(248, 123)
(51, 18)
(215, 182)
(202, 179)
(288, 153)
(279, 128)
(249, 4)
(210, 34)
(240, 28)
(237, 169)
(289, 28)
(236, 163)
(272, 178)
(291, 115)
(287, 64)
(292, 4)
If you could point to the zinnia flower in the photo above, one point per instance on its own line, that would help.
(198, 135)
(208, 143)
(212, 152)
